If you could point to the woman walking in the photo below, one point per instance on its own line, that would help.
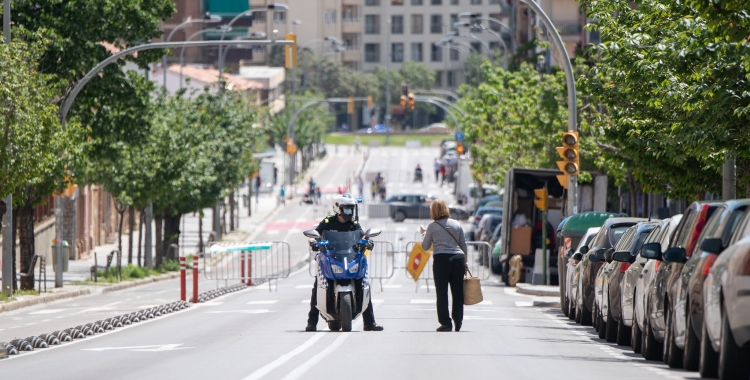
(449, 263)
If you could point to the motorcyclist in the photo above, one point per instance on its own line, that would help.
(418, 173)
(341, 221)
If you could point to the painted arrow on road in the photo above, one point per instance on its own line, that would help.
(155, 348)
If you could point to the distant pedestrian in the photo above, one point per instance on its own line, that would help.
(374, 189)
(442, 174)
(437, 170)
(317, 195)
(275, 174)
(361, 187)
(449, 263)
(356, 144)
(282, 193)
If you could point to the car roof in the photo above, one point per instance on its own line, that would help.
(579, 223)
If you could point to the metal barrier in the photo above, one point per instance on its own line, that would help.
(381, 263)
(42, 271)
(95, 269)
(478, 251)
(248, 262)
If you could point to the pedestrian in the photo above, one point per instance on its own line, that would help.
(275, 174)
(281, 195)
(361, 187)
(374, 189)
(437, 170)
(449, 263)
(317, 195)
(356, 144)
(442, 174)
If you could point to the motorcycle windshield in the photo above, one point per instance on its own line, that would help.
(342, 244)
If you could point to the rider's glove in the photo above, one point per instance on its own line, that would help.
(370, 245)
(314, 246)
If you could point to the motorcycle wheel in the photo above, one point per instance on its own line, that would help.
(334, 326)
(345, 310)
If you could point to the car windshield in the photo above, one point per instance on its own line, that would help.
(342, 244)
(615, 233)
(494, 222)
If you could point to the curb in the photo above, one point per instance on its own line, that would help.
(44, 298)
(536, 290)
(143, 281)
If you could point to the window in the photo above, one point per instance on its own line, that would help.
(476, 2)
(397, 2)
(330, 16)
(416, 2)
(436, 54)
(438, 79)
(454, 2)
(259, 17)
(372, 2)
(279, 17)
(397, 24)
(450, 79)
(477, 46)
(493, 25)
(397, 52)
(454, 19)
(454, 53)
(436, 24)
(436, 2)
(416, 24)
(372, 24)
(372, 52)
(416, 51)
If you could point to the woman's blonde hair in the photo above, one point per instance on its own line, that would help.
(439, 210)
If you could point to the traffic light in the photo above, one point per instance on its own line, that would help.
(569, 153)
(290, 52)
(410, 101)
(460, 148)
(403, 101)
(542, 199)
(369, 101)
(404, 90)
(350, 105)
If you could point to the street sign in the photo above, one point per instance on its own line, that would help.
(459, 136)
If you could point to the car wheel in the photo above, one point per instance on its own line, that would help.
(601, 326)
(691, 356)
(578, 314)
(650, 347)
(708, 365)
(585, 316)
(497, 266)
(734, 361)
(623, 333)
(610, 329)
(572, 314)
(399, 216)
(564, 305)
(672, 353)
(635, 335)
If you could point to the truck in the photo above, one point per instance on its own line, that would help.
(520, 234)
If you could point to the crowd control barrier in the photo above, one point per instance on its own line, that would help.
(253, 262)
(479, 251)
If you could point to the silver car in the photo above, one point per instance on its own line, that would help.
(571, 283)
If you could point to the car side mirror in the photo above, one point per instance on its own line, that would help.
(675, 255)
(599, 253)
(312, 234)
(608, 255)
(584, 249)
(569, 253)
(621, 256)
(578, 256)
(594, 259)
(372, 233)
(651, 251)
(712, 245)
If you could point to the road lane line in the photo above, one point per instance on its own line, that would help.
(266, 302)
(262, 371)
(304, 367)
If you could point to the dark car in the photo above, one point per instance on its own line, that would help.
(417, 206)
(478, 216)
(660, 308)
(689, 287)
(570, 232)
(610, 310)
(592, 258)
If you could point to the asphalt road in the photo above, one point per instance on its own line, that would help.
(259, 333)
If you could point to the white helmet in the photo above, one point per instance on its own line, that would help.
(344, 205)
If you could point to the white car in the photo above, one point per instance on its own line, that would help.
(726, 320)
(571, 287)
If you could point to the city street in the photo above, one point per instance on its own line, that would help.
(258, 333)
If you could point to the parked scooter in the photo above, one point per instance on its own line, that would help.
(343, 287)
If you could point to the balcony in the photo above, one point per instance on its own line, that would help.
(351, 25)
(568, 27)
(352, 54)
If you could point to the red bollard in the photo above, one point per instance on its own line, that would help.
(249, 270)
(195, 279)
(183, 291)
(242, 267)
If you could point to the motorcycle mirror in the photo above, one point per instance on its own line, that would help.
(372, 233)
(312, 234)
(359, 200)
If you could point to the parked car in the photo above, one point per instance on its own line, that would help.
(688, 288)
(478, 216)
(571, 273)
(618, 262)
(491, 221)
(662, 294)
(650, 347)
(417, 206)
(496, 234)
(591, 260)
(571, 231)
(725, 341)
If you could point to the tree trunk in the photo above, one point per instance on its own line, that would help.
(121, 213)
(26, 237)
(131, 229)
(646, 212)
(141, 215)
(231, 210)
(223, 220)
(631, 193)
(16, 212)
(200, 231)
(250, 196)
(159, 252)
(171, 235)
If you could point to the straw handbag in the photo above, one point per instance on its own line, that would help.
(472, 290)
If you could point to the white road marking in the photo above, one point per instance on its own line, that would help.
(101, 308)
(303, 287)
(378, 300)
(305, 301)
(422, 301)
(266, 302)
(262, 371)
(299, 371)
(272, 232)
(484, 303)
(48, 311)
(392, 286)
(524, 304)
(156, 348)
(260, 311)
(493, 319)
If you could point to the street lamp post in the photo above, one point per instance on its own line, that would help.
(223, 28)
(465, 24)
(210, 19)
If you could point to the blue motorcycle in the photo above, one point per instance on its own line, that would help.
(343, 290)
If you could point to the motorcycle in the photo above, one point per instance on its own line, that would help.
(343, 289)
(418, 175)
